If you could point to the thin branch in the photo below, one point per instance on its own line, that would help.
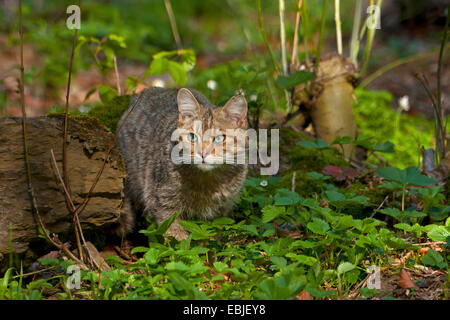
(55, 241)
(116, 70)
(173, 24)
(65, 142)
(294, 57)
(337, 19)
(282, 36)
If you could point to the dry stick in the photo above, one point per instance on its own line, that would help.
(337, 19)
(55, 241)
(116, 70)
(81, 206)
(65, 143)
(173, 24)
(283, 52)
(294, 57)
(68, 197)
(282, 37)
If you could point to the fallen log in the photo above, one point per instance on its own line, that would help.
(88, 141)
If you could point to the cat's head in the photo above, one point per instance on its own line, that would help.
(212, 136)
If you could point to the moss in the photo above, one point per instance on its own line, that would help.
(110, 112)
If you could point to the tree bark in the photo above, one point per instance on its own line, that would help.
(88, 142)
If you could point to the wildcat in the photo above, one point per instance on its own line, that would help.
(158, 187)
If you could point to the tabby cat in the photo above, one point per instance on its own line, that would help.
(159, 187)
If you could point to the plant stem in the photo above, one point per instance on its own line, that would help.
(370, 37)
(354, 45)
(337, 18)
(282, 37)
(295, 41)
(367, 80)
(264, 35)
(322, 31)
(305, 30)
(173, 24)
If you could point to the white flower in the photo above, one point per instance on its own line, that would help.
(158, 83)
(211, 84)
(253, 97)
(403, 102)
(263, 183)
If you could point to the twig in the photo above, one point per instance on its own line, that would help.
(68, 197)
(55, 241)
(282, 37)
(173, 24)
(294, 57)
(337, 19)
(65, 142)
(264, 35)
(294, 175)
(116, 70)
(379, 207)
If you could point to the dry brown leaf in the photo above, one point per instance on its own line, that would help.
(405, 281)
(304, 296)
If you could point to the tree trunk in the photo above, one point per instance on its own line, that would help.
(88, 142)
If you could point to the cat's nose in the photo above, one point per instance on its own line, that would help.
(203, 153)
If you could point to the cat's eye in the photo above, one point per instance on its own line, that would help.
(192, 137)
(219, 139)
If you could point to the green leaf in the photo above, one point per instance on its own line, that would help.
(178, 73)
(433, 259)
(159, 66)
(318, 144)
(107, 93)
(438, 233)
(345, 267)
(296, 78)
(318, 226)
(271, 212)
(285, 197)
(317, 293)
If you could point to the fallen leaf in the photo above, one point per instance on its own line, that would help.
(304, 296)
(405, 281)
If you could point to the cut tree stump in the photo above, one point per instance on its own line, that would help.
(88, 142)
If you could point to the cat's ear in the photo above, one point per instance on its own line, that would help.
(187, 104)
(236, 110)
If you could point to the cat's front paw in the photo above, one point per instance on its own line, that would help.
(177, 231)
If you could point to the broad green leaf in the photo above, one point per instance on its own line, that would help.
(271, 212)
(433, 259)
(178, 73)
(318, 226)
(345, 267)
(296, 78)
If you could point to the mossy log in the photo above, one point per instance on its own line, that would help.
(88, 142)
